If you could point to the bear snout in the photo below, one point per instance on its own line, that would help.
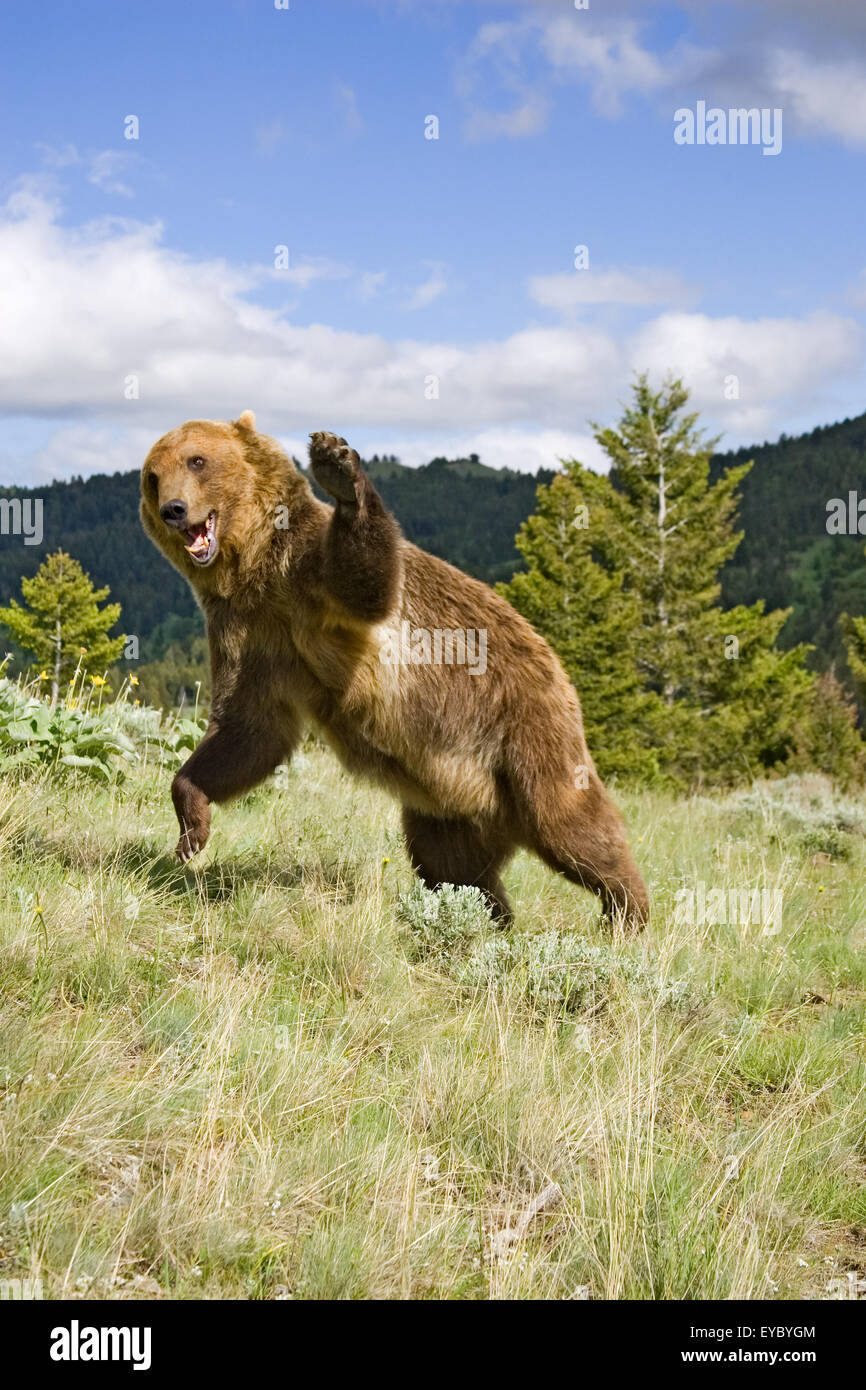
(174, 513)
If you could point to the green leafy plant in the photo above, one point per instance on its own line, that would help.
(34, 734)
(179, 737)
(85, 735)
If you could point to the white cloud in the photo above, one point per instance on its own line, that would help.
(826, 97)
(435, 285)
(104, 170)
(784, 366)
(77, 450)
(612, 59)
(370, 282)
(500, 48)
(87, 307)
(629, 285)
(103, 166)
(607, 54)
(529, 118)
(59, 156)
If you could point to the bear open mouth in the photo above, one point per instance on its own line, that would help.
(202, 541)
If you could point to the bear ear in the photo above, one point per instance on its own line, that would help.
(246, 421)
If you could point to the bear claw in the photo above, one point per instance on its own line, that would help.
(187, 846)
(336, 467)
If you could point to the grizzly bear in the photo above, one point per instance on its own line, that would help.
(416, 675)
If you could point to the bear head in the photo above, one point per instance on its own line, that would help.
(209, 494)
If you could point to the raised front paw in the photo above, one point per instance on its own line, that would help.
(336, 467)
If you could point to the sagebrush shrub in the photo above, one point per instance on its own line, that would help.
(444, 920)
(554, 972)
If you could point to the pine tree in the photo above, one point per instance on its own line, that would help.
(590, 622)
(733, 699)
(716, 699)
(667, 529)
(756, 699)
(854, 632)
(830, 741)
(61, 620)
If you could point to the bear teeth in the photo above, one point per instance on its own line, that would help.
(202, 539)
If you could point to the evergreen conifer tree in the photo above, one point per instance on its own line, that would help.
(591, 623)
(714, 696)
(61, 620)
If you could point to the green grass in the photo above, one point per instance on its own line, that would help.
(259, 1079)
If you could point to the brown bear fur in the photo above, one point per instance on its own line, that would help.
(299, 599)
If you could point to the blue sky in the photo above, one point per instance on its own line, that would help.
(411, 258)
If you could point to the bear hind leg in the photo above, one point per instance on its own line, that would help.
(586, 843)
(456, 851)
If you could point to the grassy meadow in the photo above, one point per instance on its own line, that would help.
(284, 1074)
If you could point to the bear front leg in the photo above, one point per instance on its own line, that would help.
(230, 760)
(361, 559)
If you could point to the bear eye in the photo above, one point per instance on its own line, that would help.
(153, 484)
(195, 464)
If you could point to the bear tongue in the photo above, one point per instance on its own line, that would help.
(200, 542)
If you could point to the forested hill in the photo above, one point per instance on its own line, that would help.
(461, 510)
(458, 509)
(787, 556)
